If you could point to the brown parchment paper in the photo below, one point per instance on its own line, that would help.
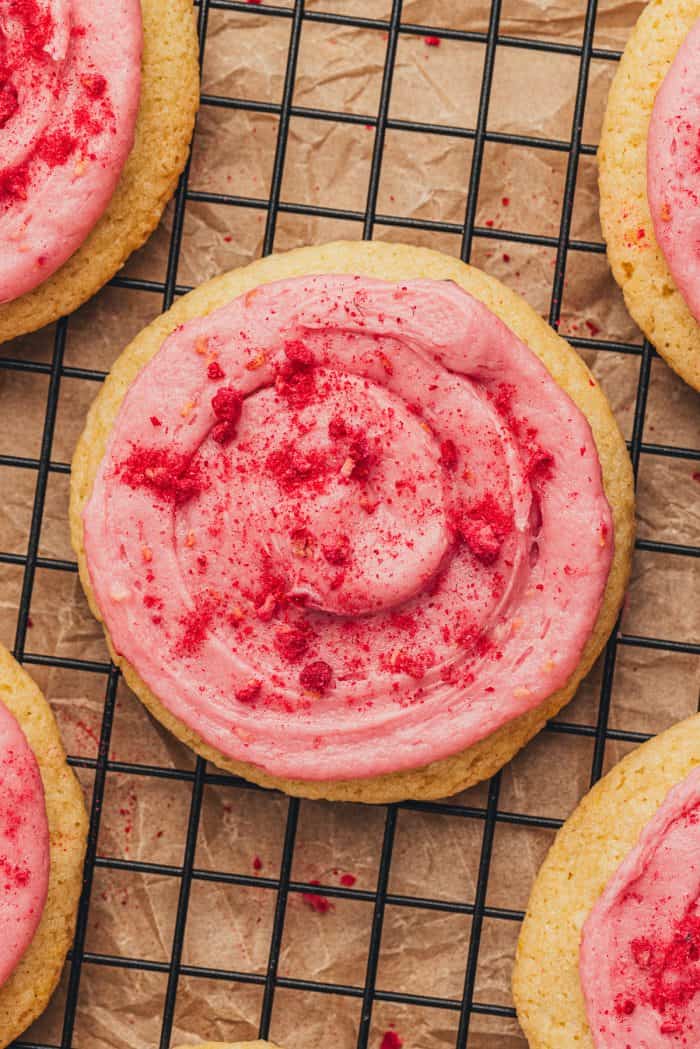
(132, 914)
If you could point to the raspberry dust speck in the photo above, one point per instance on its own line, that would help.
(391, 1040)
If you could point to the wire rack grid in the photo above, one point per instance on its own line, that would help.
(487, 816)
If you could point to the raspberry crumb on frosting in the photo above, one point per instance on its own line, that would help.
(173, 477)
(292, 643)
(228, 405)
(316, 677)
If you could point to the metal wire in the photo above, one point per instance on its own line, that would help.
(490, 816)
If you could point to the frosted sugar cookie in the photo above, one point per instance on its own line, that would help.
(355, 519)
(650, 180)
(43, 827)
(610, 948)
(97, 106)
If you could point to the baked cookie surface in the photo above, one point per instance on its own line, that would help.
(587, 851)
(637, 262)
(26, 993)
(390, 262)
(167, 109)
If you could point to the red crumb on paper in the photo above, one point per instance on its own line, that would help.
(317, 902)
(347, 880)
(432, 41)
(88, 731)
(215, 371)
(592, 327)
(257, 863)
(505, 201)
(391, 1040)
(696, 475)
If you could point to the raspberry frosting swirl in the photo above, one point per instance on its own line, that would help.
(673, 169)
(24, 845)
(345, 527)
(70, 74)
(640, 948)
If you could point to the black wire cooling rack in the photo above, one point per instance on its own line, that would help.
(488, 816)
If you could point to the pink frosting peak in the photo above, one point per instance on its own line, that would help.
(344, 527)
(673, 169)
(24, 845)
(70, 75)
(640, 948)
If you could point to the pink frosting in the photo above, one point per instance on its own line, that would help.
(24, 845)
(70, 74)
(344, 527)
(673, 169)
(640, 948)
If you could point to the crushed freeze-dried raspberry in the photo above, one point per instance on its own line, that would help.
(173, 477)
(316, 677)
(227, 404)
(292, 643)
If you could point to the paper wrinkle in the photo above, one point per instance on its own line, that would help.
(435, 856)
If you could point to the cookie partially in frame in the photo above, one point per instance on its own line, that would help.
(608, 949)
(90, 157)
(648, 185)
(56, 821)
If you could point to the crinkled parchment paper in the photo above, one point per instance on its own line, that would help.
(144, 818)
